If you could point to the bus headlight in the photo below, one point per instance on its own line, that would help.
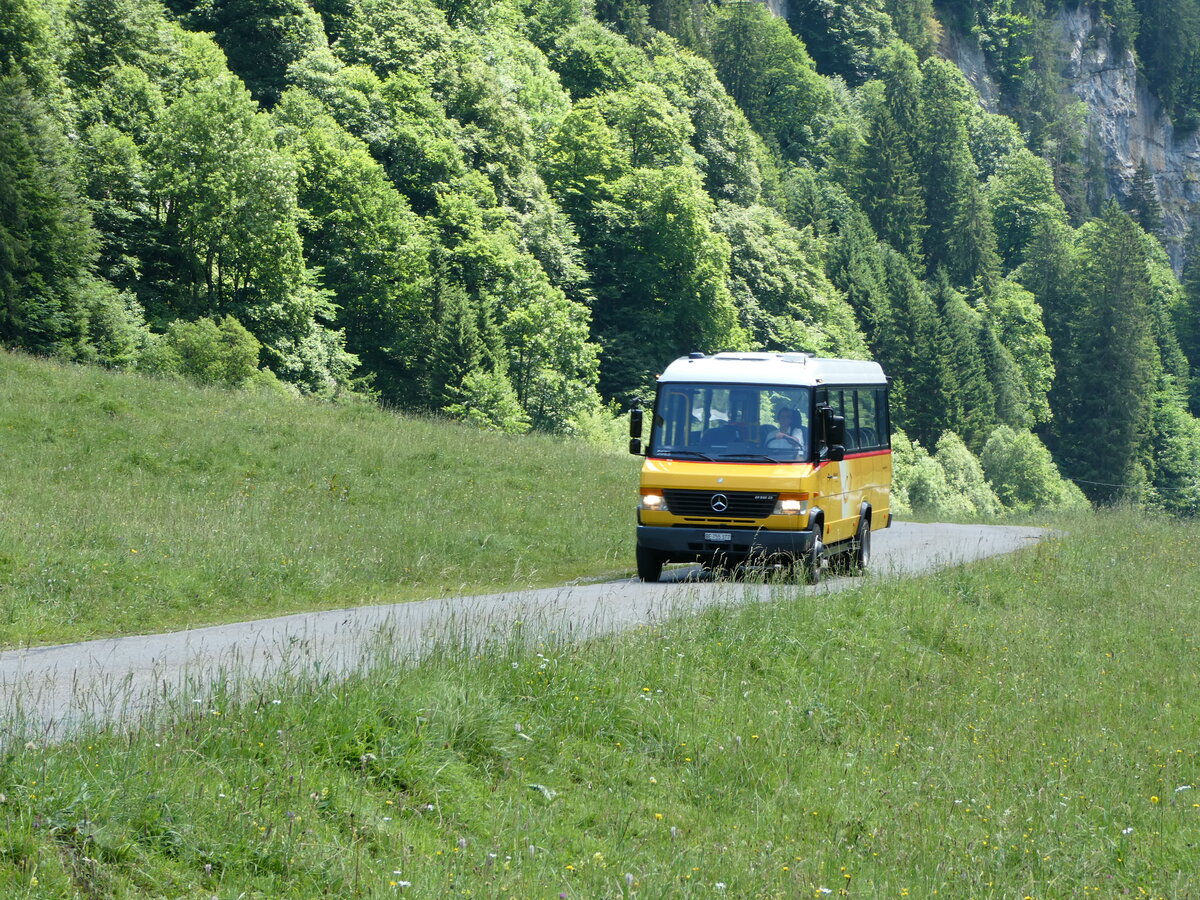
(791, 505)
(652, 501)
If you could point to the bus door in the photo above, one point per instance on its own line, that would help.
(835, 479)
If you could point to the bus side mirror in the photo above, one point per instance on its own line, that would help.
(635, 428)
(835, 427)
(835, 434)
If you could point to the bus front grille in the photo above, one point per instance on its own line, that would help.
(720, 504)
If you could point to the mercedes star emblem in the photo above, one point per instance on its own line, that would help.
(719, 503)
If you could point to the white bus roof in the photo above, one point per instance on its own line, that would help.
(772, 368)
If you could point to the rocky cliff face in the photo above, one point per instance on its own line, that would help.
(1130, 124)
(1126, 119)
(963, 50)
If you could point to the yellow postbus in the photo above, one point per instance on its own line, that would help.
(764, 457)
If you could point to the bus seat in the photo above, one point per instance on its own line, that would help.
(721, 436)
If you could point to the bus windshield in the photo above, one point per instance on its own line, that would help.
(732, 422)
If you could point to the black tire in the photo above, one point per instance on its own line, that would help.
(815, 555)
(854, 558)
(649, 564)
(859, 556)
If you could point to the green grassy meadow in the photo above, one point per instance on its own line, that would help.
(130, 505)
(1026, 726)
(1022, 727)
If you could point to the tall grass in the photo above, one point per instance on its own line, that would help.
(1026, 726)
(129, 505)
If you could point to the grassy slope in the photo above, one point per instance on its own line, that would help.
(1023, 727)
(1027, 726)
(131, 506)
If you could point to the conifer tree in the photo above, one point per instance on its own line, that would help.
(1166, 295)
(900, 75)
(1187, 316)
(960, 238)
(1144, 206)
(971, 255)
(916, 22)
(973, 404)
(47, 243)
(1046, 273)
(889, 186)
(457, 350)
(1095, 176)
(1104, 401)
(856, 268)
(1175, 454)
(1012, 396)
(913, 353)
(1166, 45)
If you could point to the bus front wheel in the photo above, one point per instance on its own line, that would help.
(649, 564)
(815, 554)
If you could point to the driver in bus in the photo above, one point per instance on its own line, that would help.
(790, 429)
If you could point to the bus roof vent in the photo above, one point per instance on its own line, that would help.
(796, 357)
(695, 354)
(748, 356)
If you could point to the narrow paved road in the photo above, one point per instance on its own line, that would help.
(46, 691)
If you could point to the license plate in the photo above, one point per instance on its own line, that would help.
(718, 536)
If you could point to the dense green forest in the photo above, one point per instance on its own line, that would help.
(515, 212)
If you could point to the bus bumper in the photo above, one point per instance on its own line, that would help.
(685, 544)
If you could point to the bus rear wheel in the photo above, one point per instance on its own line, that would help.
(853, 560)
(860, 553)
(649, 564)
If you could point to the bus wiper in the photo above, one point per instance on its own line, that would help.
(690, 454)
(756, 457)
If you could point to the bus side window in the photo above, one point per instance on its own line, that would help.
(841, 401)
(868, 419)
(882, 417)
(853, 438)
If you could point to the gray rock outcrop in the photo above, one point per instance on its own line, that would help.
(1130, 124)
(1127, 122)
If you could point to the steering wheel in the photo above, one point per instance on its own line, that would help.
(781, 441)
